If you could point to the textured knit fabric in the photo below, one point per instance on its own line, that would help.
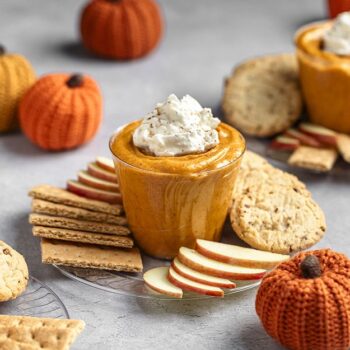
(121, 29)
(308, 314)
(57, 117)
(16, 76)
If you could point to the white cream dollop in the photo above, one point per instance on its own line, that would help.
(337, 38)
(177, 127)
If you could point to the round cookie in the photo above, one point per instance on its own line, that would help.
(277, 218)
(13, 273)
(248, 178)
(252, 160)
(263, 96)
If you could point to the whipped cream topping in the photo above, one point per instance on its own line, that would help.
(177, 127)
(337, 38)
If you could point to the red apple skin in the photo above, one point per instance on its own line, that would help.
(305, 139)
(193, 289)
(275, 144)
(227, 260)
(330, 140)
(174, 295)
(216, 273)
(104, 165)
(103, 175)
(112, 198)
(105, 186)
(209, 283)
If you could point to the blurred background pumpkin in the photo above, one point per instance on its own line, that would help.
(61, 111)
(121, 29)
(16, 76)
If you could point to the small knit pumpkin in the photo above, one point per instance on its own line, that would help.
(61, 112)
(121, 29)
(305, 302)
(16, 76)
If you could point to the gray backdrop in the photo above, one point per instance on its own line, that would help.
(203, 40)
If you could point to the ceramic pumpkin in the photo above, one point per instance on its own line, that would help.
(305, 302)
(337, 6)
(61, 111)
(16, 76)
(121, 29)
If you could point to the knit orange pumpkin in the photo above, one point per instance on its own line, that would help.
(16, 76)
(61, 111)
(305, 302)
(121, 29)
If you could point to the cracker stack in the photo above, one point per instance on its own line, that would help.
(32, 333)
(80, 231)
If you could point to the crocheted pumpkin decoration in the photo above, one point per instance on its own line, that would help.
(16, 76)
(305, 302)
(61, 112)
(121, 29)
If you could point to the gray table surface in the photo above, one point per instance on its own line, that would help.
(203, 40)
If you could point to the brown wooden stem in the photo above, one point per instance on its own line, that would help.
(75, 80)
(310, 267)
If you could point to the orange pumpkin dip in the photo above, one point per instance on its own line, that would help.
(172, 201)
(325, 79)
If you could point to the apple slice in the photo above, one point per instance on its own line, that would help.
(192, 286)
(198, 262)
(106, 164)
(199, 277)
(320, 133)
(93, 193)
(285, 143)
(232, 254)
(95, 170)
(85, 178)
(305, 139)
(157, 279)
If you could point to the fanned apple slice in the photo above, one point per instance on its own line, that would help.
(105, 163)
(199, 277)
(305, 139)
(192, 286)
(232, 254)
(95, 170)
(320, 133)
(201, 263)
(157, 279)
(285, 143)
(93, 193)
(85, 178)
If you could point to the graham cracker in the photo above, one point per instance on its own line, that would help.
(318, 159)
(83, 237)
(26, 333)
(73, 224)
(61, 196)
(44, 207)
(90, 256)
(343, 144)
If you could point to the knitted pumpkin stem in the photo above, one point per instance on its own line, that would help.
(75, 80)
(2, 50)
(310, 267)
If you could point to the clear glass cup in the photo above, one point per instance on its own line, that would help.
(325, 79)
(167, 210)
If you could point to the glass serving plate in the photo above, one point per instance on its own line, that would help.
(38, 300)
(132, 284)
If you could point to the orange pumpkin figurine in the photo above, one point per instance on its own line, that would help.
(16, 76)
(121, 29)
(61, 111)
(305, 302)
